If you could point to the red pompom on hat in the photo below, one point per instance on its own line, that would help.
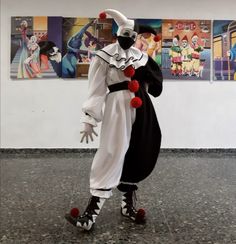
(157, 38)
(102, 15)
(133, 85)
(136, 102)
(74, 212)
(129, 71)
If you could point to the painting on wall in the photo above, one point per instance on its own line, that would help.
(145, 42)
(224, 50)
(52, 47)
(186, 49)
(82, 37)
(36, 44)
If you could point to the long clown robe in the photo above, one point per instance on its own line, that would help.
(130, 138)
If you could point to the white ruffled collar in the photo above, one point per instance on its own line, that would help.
(117, 57)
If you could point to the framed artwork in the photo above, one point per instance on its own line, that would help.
(52, 47)
(36, 44)
(224, 50)
(82, 37)
(186, 49)
(146, 43)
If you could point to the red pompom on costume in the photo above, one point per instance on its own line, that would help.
(129, 71)
(133, 86)
(136, 102)
(74, 212)
(157, 38)
(102, 15)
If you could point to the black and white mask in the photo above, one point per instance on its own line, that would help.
(127, 38)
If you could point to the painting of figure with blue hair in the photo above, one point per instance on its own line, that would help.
(82, 38)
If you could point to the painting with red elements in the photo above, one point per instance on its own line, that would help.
(186, 49)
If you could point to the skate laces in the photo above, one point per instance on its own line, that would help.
(131, 199)
(92, 203)
(134, 199)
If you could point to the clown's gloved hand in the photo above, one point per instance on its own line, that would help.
(87, 132)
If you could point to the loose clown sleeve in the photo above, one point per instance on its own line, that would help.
(92, 108)
(154, 77)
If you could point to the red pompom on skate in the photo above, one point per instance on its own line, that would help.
(140, 216)
(136, 102)
(133, 85)
(102, 15)
(129, 71)
(157, 38)
(74, 212)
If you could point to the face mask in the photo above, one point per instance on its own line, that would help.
(125, 42)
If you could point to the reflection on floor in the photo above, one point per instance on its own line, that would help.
(189, 198)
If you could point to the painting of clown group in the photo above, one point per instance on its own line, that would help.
(52, 47)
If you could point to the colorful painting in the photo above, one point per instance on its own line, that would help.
(36, 44)
(186, 49)
(145, 42)
(82, 37)
(52, 47)
(224, 50)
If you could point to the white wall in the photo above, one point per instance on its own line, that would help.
(46, 113)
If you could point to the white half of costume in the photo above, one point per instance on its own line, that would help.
(117, 118)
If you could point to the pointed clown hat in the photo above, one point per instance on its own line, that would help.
(123, 22)
(194, 35)
(185, 38)
(177, 37)
(119, 18)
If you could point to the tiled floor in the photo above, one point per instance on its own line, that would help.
(190, 198)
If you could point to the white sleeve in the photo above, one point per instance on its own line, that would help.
(92, 108)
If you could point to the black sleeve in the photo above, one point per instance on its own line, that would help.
(151, 74)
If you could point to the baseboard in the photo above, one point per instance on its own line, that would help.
(93, 150)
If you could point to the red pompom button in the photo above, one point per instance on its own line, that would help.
(136, 102)
(140, 216)
(133, 85)
(74, 212)
(141, 213)
(102, 15)
(129, 71)
(157, 38)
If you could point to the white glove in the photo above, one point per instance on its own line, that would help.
(87, 132)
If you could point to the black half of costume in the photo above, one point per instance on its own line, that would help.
(145, 141)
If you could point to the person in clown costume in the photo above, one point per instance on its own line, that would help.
(186, 52)
(121, 76)
(175, 57)
(197, 49)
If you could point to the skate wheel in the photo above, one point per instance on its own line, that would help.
(74, 212)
